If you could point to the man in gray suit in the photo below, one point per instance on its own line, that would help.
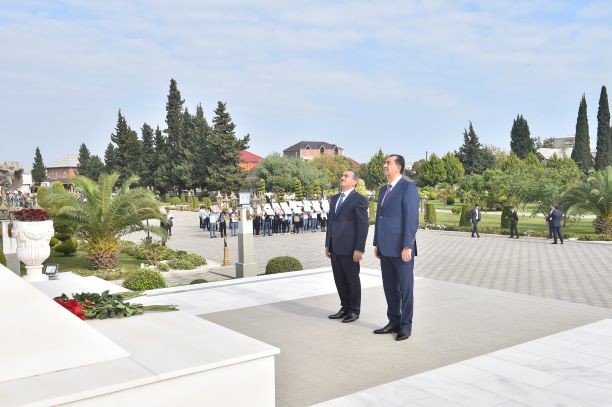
(397, 221)
(345, 239)
(475, 217)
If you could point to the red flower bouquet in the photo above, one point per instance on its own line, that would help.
(31, 215)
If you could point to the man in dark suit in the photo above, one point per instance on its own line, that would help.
(397, 221)
(550, 227)
(474, 219)
(513, 223)
(554, 219)
(347, 230)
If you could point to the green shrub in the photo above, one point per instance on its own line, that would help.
(198, 281)
(206, 201)
(166, 198)
(153, 252)
(67, 247)
(605, 237)
(430, 214)
(505, 217)
(163, 266)
(450, 200)
(54, 240)
(143, 279)
(181, 264)
(127, 247)
(456, 210)
(192, 258)
(282, 264)
(3, 258)
(464, 219)
(175, 200)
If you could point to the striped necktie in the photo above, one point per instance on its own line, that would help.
(386, 193)
(340, 200)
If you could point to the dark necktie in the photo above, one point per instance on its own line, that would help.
(340, 202)
(386, 193)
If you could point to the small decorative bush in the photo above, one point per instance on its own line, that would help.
(430, 214)
(181, 264)
(206, 201)
(455, 210)
(31, 215)
(198, 281)
(2, 258)
(464, 219)
(450, 200)
(175, 200)
(143, 279)
(505, 217)
(605, 237)
(195, 259)
(283, 264)
(67, 247)
(54, 240)
(166, 198)
(163, 267)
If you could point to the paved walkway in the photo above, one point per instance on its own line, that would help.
(484, 315)
(576, 271)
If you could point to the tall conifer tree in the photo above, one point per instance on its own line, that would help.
(39, 172)
(147, 174)
(83, 163)
(581, 153)
(604, 135)
(521, 143)
(200, 156)
(223, 167)
(474, 157)
(109, 158)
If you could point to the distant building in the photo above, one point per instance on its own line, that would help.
(307, 150)
(561, 142)
(63, 169)
(547, 153)
(248, 160)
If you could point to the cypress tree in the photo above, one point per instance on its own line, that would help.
(83, 164)
(147, 174)
(297, 188)
(39, 171)
(109, 158)
(604, 135)
(521, 143)
(581, 153)
(95, 167)
(120, 137)
(175, 171)
(200, 156)
(160, 179)
(223, 167)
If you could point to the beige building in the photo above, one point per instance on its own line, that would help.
(307, 150)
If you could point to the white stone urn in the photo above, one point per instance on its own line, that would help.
(33, 248)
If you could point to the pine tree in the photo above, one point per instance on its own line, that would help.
(161, 179)
(83, 164)
(261, 186)
(200, 156)
(604, 135)
(109, 158)
(223, 166)
(147, 174)
(474, 157)
(581, 153)
(373, 175)
(127, 158)
(521, 143)
(39, 172)
(95, 167)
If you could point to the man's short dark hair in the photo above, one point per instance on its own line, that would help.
(355, 174)
(478, 205)
(399, 160)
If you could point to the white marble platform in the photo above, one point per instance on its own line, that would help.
(218, 296)
(34, 329)
(168, 358)
(572, 368)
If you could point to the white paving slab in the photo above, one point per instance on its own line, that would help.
(538, 373)
(254, 291)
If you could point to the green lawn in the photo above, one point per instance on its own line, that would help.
(536, 223)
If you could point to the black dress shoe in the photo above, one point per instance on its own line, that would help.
(352, 317)
(338, 315)
(401, 335)
(387, 329)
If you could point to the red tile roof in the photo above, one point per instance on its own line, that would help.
(246, 156)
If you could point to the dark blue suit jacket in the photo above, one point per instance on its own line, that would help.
(397, 220)
(347, 230)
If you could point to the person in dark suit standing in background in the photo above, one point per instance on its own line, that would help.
(550, 227)
(513, 223)
(554, 219)
(397, 221)
(347, 230)
(474, 219)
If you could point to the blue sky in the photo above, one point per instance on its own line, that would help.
(404, 76)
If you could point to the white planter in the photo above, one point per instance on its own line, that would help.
(33, 246)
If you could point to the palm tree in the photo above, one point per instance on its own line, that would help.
(100, 217)
(595, 196)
